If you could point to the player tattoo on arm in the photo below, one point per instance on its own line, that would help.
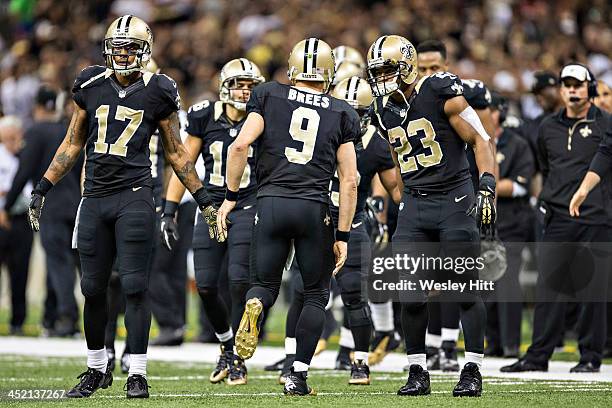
(177, 154)
(68, 152)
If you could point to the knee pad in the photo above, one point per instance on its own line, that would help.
(134, 283)
(93, 287)
(316, 297)
(358, 314)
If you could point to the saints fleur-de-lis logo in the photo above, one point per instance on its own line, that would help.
(586, 131)
(457, 88)
(256, 218)
(327, 220)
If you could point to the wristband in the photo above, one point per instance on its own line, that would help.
(202, 198)
(342, 235)
(170, 208)
(231, 195)
(43, 186)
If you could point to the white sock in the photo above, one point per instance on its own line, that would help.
(298, 366)
(290, 345)
(330, 302)
(138, 364)
(223, 337)
(433, 340)
(346, 338)
(450, 334)
(382, 316)
(474, 358)
(361, 355)
(97, 359)
(418, 359)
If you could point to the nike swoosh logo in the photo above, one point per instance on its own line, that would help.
(457, 199)
(356, 225)
(136, 188)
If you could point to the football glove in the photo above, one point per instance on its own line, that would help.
(37, 201)
(168, 228)
(483, 209)
(210, 216)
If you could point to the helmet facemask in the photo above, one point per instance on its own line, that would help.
(114, 48)
(386, 77)
(233, 84)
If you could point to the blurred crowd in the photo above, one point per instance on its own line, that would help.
(501, 42)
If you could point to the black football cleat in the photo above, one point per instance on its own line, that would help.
(418, 382)
(276, 366)
(136, 386)
(295, 384)
(286, 370)
(470, 382)
(343, 359)
(584, 368)
(360, 373)
(433, 359)
(91, 380)
(221, 371)
(448, 357)
(523, 365)
(237, 372)
(111, 359)
(169, 337)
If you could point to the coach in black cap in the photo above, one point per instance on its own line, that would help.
(41, 141)
(567, 143)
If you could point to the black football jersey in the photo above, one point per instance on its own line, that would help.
(208, 121)
(121, 122)
(296, 154)
(158, 160)
(476, 93)
(373, 156)
(430, 153)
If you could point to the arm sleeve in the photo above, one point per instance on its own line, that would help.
(167, 98)
(602, 161)
(255, 103)
(29, 161)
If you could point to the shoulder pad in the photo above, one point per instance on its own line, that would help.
(91, 76)
(445, 84)
(198, 116)
(476, 93)
(169, 89)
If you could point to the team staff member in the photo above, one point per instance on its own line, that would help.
(567, 143)
(516, 168)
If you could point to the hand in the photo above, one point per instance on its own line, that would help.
(5, 223)
(483, 209)
(169, 231)
(35, 210)
(210, 216)
(340, 250)
(577, 199)
(222, 221)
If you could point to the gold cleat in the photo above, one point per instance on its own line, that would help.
(237, 373)
(248, 332)
(378, 354)
(221, 371)
(360, 373)
(321, 346)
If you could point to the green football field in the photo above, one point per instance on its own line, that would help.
(186, 385)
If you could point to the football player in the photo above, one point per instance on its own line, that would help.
(117, 109)
(302, 135)
(443, 328)
(427, 124)
(212, 128)
(349, 63)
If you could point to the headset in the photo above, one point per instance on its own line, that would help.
(591, 81)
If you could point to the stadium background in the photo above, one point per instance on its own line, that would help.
(502, 42)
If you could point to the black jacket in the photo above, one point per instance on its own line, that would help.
(602, 162)
(41, 142)
(565, 153)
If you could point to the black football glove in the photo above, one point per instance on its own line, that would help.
(37, 201)
(168, 228)
(483, 209)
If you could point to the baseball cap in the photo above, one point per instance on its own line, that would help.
(543, 79)
(575, 71)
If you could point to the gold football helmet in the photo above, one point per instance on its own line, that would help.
(392, 62)
(235, 70)
(345, 70)
(133, 34)
(152, 67)
(357, 93)
(350, 54)
(312, 60)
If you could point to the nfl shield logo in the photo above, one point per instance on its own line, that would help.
(233, 132)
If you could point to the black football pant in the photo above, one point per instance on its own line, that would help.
(15, 249)
(55, 236)
(571, 270)
(278, 221)
(168, 286)
(209, 256)
(439, 217)
(120, 225)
